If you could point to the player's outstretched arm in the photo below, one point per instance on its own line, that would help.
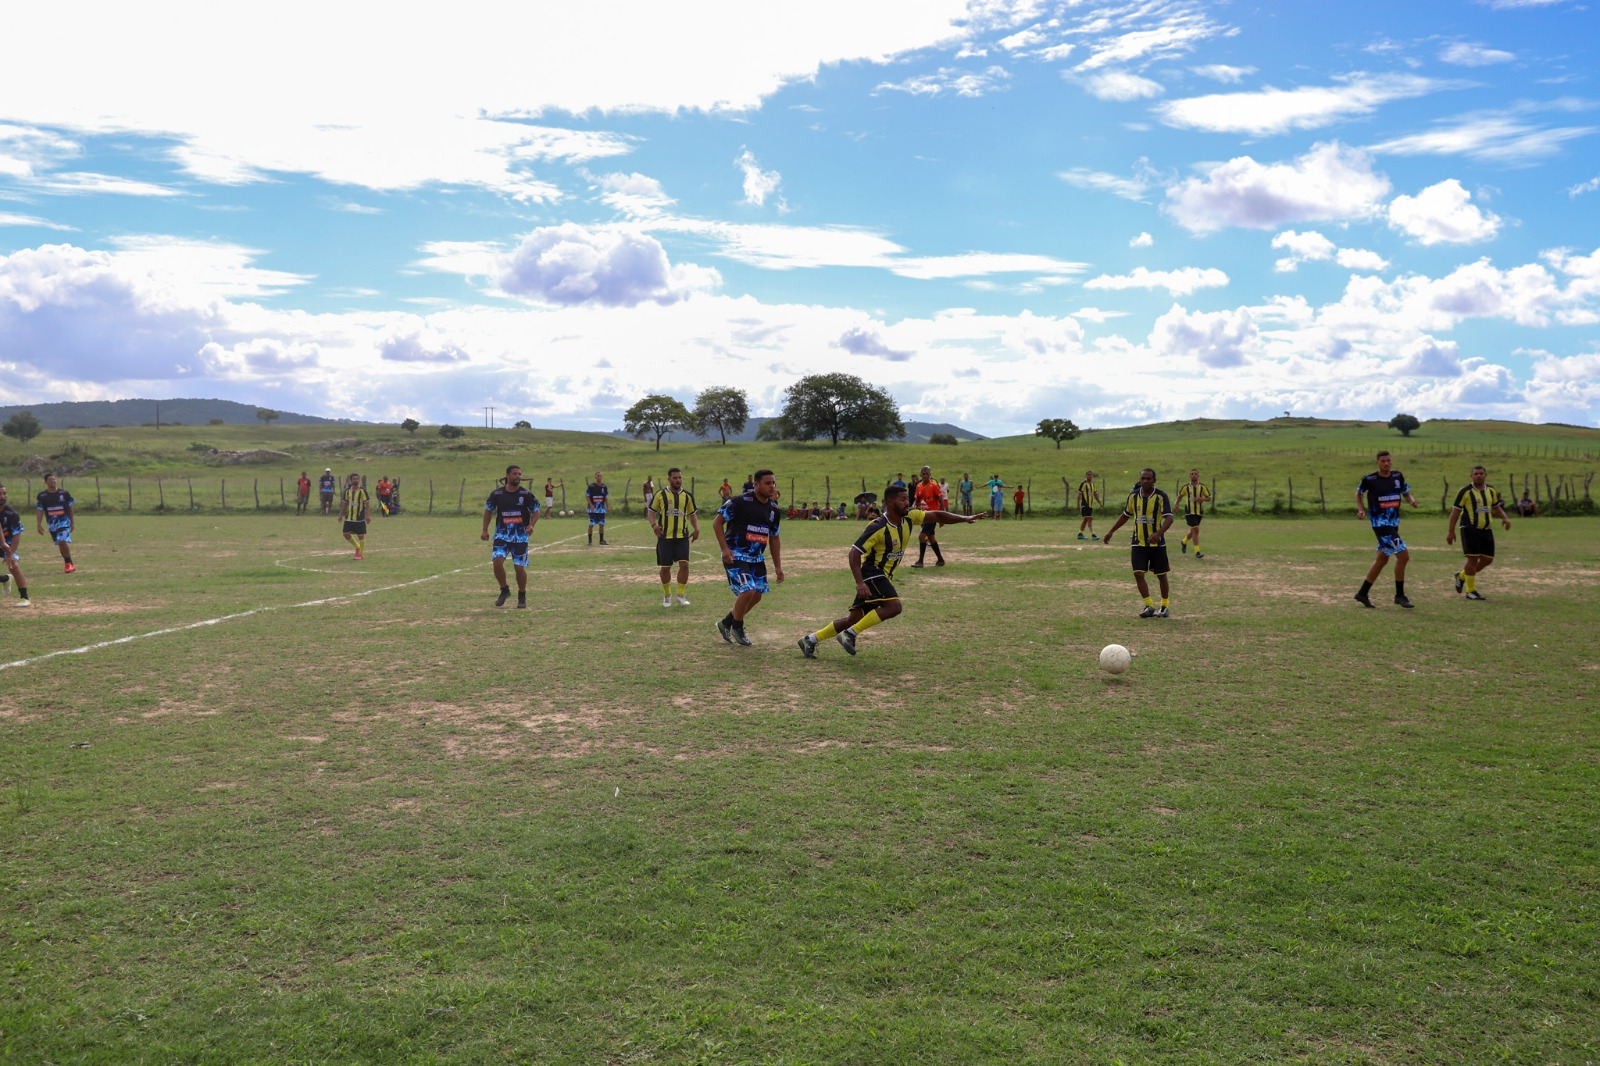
(950, 518)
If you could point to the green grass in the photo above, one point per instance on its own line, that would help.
(1298, 466)
(379, 820)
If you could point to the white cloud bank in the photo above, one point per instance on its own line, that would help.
(1443, 214)
(1330, 183)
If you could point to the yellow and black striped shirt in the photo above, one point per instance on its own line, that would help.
(1477, 506)
(354, 504)
(672, 512)
(1147, 512)
(1087, 494)
(1193, 496)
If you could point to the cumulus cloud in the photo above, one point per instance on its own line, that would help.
(1427, 357)
(1584, 186)
(1302, 248)
(1143, 240)
(1216, 339)
(412, 344)
(1442, 214)
(1269, 111)
(569, 264)
(758, 184)
(1177, 282)
(859, 341)
(1465, 54)
(1330, 183)
(635, 194)
(1360, 259)
(1122, 86)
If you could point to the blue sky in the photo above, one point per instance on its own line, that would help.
(999, 211)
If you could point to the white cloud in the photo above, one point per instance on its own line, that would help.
(1177, 282)
(412, 341)
(1302, 248)
(1503, 136)
(1122, 86)
(9, 219)
(859, 341)
(635, 194)
(758, 184)
(569, 265)
(1216, 339)
(1272, 111)
(84, 184)
(1176, 30)
(1330, 183)
(1136, 187)
(1143, 240)
(1360, 259)
(1464, 54)
(953, 81)
(1442, 214)
(1224, 73)
(1584, 186)
(1427, 357)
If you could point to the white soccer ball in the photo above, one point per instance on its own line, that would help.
(1115, 659)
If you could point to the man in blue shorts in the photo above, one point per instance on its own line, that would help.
(10, 535)
(746, 526)
(515, 509)
(1378, 500)
(54, 507)
(596, 493)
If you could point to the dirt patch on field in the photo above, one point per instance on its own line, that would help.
(46, 605)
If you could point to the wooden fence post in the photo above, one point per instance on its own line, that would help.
(191, 493)
(1252, 495)
(162, 495)
(224, 494)
(97, 504)
(130, 494)
(283, 501)
(255, 489)
(827, 491)
(1291, 495)
(1444, 501)
(1322, 497)
(430, 495)
(461, 497)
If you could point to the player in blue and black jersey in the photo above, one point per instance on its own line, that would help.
(746, 527)
(515, 510)
(873, 558)
(1151, 512)
(597, 492)
(10, 535)
(1378, 500)
(54, 507)
(1476, 507)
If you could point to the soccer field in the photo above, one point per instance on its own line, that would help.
(262, 802)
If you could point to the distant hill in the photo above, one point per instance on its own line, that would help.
(916, 432)
(121, 413)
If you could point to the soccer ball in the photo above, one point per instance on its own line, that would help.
(1115, 659)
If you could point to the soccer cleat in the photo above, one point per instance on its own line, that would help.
(360, 556)
(1476, 595)
(603, 543)
(1364, 600)
(939, 563)
(681, 601)
(1162, 612)
(738, 635)
(1198, 554)
(1095, 536)
(725, 631)
(1148, 612)
(25, 602)
(847, 640)
(522, 603)
(1183, 546)
(500, 600)
(808, 646)
(1400, 600)
(666, 601)
(70, 569)
(1461, 582)
(1082, 537)
(916, 566)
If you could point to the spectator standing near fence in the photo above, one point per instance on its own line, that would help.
(673, 518)
(1017, 498)
(10, 543)
(302, 494)
(327, 485)
(515, 511)
(356, 508)
(1150, 509)
(745, 527)
(965, 488)
(1378, 500)
(597, 493)
(1193, 496)
(649, 490)
(1476, 508)
(53, 508)
(549, 495)
(997, 499)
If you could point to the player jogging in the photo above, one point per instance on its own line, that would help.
(1476, 507)
(1378, 500)
(515, 510)
(1151, 511)
(53, 507)
(927, 498)
(10, 535)
(672, 517)
(746, 526)
(596, 493)
(1088, 497)
(356, 507)
(873, 558)
(1194, 496)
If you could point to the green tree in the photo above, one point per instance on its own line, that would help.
(267, 415)
(725, 408)
(523, 424)
(1405, 424)
(449, 432)
(840, 406)
(1057, 429)
(656, 414)
(944, 438)
(23, 425)
(775, 429)
(411, 425)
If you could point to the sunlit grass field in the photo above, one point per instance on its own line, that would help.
(260, 802)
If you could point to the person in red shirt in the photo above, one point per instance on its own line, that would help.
(302, 491)
(926, 496)
(1016, 498)
(385, 496)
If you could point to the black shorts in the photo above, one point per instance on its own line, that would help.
(879, 590)
(1086, 512)
(1152, 559)
(358, 528)
(930, 529)
(1192, 519)
(1475, 541)
(672, 550)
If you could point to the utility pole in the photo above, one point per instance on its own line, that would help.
(488, 418)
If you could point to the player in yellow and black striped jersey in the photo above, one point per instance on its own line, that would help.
(1088, 496)
(1476, 507)
(356, 507)
(1193, 497)
(873, 558)
(1151, 512)
(672, 517)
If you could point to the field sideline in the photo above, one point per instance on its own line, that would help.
(261, 802)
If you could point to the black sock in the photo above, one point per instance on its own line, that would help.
(1366, 587)
(22, 593)
(5, 579)
(729, 621)
(506, 589)
(1399, 588)
(937, 554)
(922, 551)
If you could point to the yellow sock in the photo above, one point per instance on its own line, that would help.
(871, 619)
(1163, 601)
(683, 588)
(1471, 580)
(825, 633)
(666, 588)
(361, 544)
(1148, 602)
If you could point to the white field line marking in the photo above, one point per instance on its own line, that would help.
(87, 648)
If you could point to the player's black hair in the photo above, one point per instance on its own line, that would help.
(1381, 454)
(758, 475)
(891, 492)
(673, 470)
